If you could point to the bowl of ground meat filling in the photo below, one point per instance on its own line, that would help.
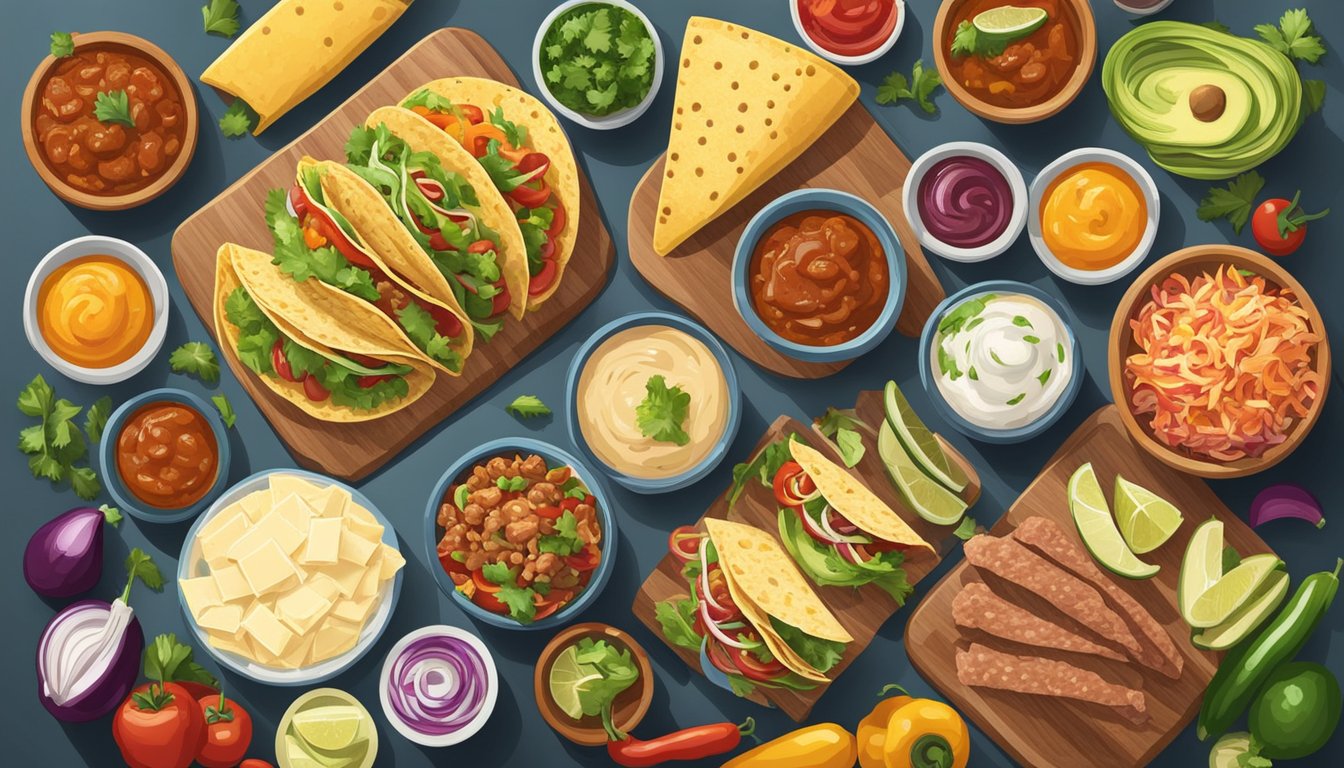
(522, 533)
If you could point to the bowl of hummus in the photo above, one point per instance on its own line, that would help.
(653, 400)
(1000, 361)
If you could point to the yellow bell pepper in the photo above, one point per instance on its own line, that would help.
(872, 731)
(826, 745)
(926, 734)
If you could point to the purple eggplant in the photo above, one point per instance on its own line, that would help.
(64, 557)
(89, 655)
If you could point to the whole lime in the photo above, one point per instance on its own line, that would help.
(1296, 711)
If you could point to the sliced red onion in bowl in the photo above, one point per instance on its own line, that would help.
(439, 685)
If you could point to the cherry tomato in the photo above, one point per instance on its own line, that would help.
(159, 725)
(313, 389)
(557, 218)
(228, 732)
(253, 762)
(1280, 225)
(281, 363)
(684, 542)
(789, 481)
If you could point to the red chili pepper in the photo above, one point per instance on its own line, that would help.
(694, 743)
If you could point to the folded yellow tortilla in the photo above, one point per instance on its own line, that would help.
(747, 105)
(544, 134)
(320, 320)
(295, 48)
(853, 499)
(764, 582)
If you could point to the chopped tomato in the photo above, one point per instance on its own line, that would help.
(501, 300)
(489, 602)
(472, 112)
(531, 197)
(792, 485)
(755, 669)
(365, 360)
(481, 246)
(570, 503)
(280, 363)
(316, 218)
(369, 382)
(313, 389)
(684, 542)
(483, 584)
(451, 564)
(557, 218)
(479, 136)
(549, 512)
(719, 657)
(543, 280)
(545, 610)
(586, 560)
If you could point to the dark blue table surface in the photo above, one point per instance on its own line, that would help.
(35, 221)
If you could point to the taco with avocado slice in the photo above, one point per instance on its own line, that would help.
(312, 240)
(521, 145)
(335, 357)
(750, 614)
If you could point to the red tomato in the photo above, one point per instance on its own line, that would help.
(481, 246)
(586, 560)
(1280, 225)
(280, 363)
(198, 691)
(755, 669)
(313, 389)
(501, 300)
(159, 726)
(790, 481)
(472, 112)
(298, 200)
(253, 762)
(557, 218)
(545, 610)
(228, 732)
(531, 197)
(550, 513)
(364, 360)
(369, 382)
(489, 602)
(483, 584)
(684, 542)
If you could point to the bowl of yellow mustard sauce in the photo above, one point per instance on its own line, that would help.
(96, 309)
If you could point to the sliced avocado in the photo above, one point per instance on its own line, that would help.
(810, 556)
(391, 369)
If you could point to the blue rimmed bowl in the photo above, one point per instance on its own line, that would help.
(508, 446)
(720, 448)
(829, 200)
(107, 456)
(191, 563)
(928, 376)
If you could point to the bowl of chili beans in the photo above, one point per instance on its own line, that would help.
(523, 534)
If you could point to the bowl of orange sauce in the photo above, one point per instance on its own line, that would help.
(1093, 215)
(96, 309)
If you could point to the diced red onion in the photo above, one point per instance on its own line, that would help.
(438, 684)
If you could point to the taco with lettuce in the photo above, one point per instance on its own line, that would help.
(331, 355)
(314, 241)
(749, 613)
(521, 145)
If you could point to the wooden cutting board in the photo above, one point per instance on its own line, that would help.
(352, 451)
(854, 156)
(862, 611)
(1053, 733)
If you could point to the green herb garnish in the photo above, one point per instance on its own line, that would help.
(615, 671)
(663, 412)
(221, 17)
(62, 44)
(195, 358)
(842, 427)
(1233, 202)
(918, 87)
(966, 529)
(1044, 377)
(113, 107)
(1017, 399)
(54, 445)
(96, 418)
(598, 59)
(527, 406)
(237, 120)
(1294, 36)
(225, 409)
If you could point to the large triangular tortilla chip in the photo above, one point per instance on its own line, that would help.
(747, 105)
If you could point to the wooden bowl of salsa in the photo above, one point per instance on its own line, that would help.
(1026, 67)
(112, 125)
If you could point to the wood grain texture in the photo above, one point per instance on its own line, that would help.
(861, 610)
(352, 451)
(1054, 733)
(854, 156)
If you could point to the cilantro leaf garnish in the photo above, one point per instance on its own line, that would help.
(528, 406)
(1293, 37)
(96, 418)
(1313, 95)
(918, 87)
(221, 17)
(598, 59)
(54, 445)
(62, 44)
(195, 358)
(167, 660)
(225, 408)
(842, 427)
(966, 528)
(663, 412)
(113, 107)
(1233, 202)
(237, 120)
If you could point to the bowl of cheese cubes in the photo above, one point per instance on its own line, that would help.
(289, 577)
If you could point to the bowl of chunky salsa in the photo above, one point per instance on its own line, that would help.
(819, 275)
(849, 32)
(1015, 61)
(111, 123)
(165, 455)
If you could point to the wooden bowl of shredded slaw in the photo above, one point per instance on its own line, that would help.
(1219, 361)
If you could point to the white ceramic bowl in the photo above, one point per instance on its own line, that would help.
(849, 61)
(615, 119)
(1149, 11)
(323, 697)
(487, 706)
(91, 245)
(1066, 162)
(910, 200)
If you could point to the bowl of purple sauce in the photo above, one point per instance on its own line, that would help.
(965, 200)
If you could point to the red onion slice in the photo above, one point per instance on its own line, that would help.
(437, 685)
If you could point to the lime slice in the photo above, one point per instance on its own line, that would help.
(927, 498)
(1010, 22)
(328, 728)
(919, 442)
(1232, 591)
(297, 756)
(568, 678)
(1246, 618)
(1146, 520)
(1097, 527)
(1202, 565)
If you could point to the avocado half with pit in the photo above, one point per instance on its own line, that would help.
(1206, 104)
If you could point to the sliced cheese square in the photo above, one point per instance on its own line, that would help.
(324, 585)
(271, 527)
(301, 608)
(295, 511)
(354, 611)
(355, 512)
(369, 584)
(356, 548)
(231, 518)
(296, 655)
(331, 501)
(392, 562)
(266, 629)
(200, 593)
(230, 583)
(235, 643)
(346, 575)
(333, 637)
(221, 618)
(256, 504)
(324, 541)
(284, 485)
(267, 568)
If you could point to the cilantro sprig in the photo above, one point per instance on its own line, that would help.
(225, 408)
(113, 107)
(237, 120)
(221, 17)
(527, 407)
(662, 413)
(1294, 37)
(62, 44)
(1233, 202)
(598, 59)
(55, 446)
(843, 428)
(919, 87)
(195, 358)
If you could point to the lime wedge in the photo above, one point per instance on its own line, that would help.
(568, 678)
(1010, 22)
(1246, 618)
(1097, 527)
(1232, 591)
(1146, 520)
(919, 442)
(328, 728)
(1202, 565)
(297, 756)
(927, 498)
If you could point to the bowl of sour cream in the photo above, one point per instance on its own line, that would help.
(1000, 361)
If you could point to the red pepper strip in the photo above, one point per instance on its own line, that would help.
(694, 743)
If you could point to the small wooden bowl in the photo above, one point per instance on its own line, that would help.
(32, 96)
(629, 707)
(1087, 60)
(1192, 261)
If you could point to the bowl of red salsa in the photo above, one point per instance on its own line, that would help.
(849, 32)
(819, 275)
(164, 456)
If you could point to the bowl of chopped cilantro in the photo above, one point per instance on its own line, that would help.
(598, 63)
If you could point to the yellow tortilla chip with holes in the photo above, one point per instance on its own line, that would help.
(852, 499)
(747, 105)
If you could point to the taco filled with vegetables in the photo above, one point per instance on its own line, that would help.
(750, 614)
(521, 145)
(313, 240)
(333, 356)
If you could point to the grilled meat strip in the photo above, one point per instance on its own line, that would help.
(987, 668)
(978, 607)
